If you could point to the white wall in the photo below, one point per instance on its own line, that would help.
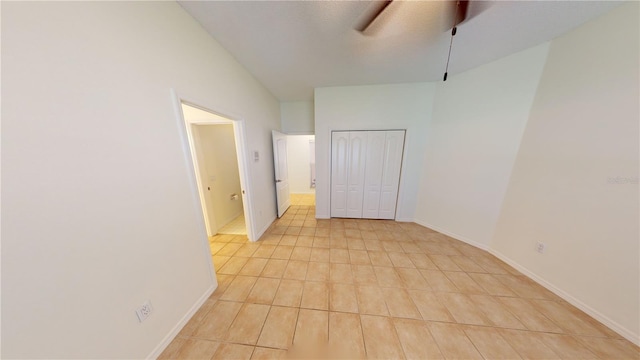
(472, 141)
(298, 163)
(564, 191)
(375, 107)
(100, 211)
(221, 167)
(297, 117)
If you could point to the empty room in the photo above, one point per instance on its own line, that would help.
(320, 179)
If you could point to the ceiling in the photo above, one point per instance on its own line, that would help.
(293, 47)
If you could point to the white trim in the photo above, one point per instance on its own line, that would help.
(183, 321)
(193, 181)
(453, 235)
(605, 320)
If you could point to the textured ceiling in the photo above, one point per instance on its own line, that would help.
(293, 47)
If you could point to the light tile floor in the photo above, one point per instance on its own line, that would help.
(235, 227)
(379, 289)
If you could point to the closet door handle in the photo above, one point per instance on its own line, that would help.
(278, 181)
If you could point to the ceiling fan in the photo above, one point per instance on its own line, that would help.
(380, 14)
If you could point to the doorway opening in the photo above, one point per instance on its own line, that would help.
(217, 149)
(295, 170)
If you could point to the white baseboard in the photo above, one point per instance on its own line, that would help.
(453, 235)
(608, 322)
(176, 329)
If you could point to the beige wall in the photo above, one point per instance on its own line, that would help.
(574, 184)
(297, 117)
(100, 211)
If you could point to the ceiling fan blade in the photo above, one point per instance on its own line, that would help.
(372, 15)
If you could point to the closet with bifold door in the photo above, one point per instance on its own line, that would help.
(365, 173)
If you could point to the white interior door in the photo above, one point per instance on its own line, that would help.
(393, 148)
(356, 172)
(373, 174)
(280, 167)
(339, 175)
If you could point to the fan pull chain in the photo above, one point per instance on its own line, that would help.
(453, 33)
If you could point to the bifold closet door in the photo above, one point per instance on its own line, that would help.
(365, 173)
(393, 148)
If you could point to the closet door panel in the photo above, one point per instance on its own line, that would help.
(356, 173)
(394, 145)
(373, 174)
(339, 173)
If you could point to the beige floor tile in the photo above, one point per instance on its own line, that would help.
(526, 345)
(391, 246)
(422, 261)
(416, 340)
(466, 264)
(197, 318)
(318, 271)
(263, 291)
(233, 266)
(282, 252)
(239, 288)
(452, 341)
(491, 265)
(491, 285)
(319, 255)
(563, 315)
(322, 243)
(233, 351)
(247, 250)
(171, 351)
(279, 327)
(260, 353)
(274, 268)
(197, 349)
(387, 276)
(379, 258)
(400, 259)
(315, 295)
(340, 273)
(462, 308)
(412, 279)
(524, 287)
(369, 234)
(342, 297)
(364, 274)
(429, 306)
(444, 263)
(529, 316)
(566, 346)
(295, 270)
(371, 300)
(496, 312)
(345, 336)
(301, 253)
(216, 324)
(463, 282)
(264, 251)
(340, 256)
(356, 244)
(229, 249)
(246, 328)
(399, 303)
(219, 262)
(289, 293)
(312, 327)
(305, 241)
(288, 240)
(359, 257)
(253, 267)
(490, 344)
(611, 348)
(223, 283)
(373, 245)
(380, 339)
(438, 280)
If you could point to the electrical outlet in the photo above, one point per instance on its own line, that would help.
(144, 311)
(540, 247)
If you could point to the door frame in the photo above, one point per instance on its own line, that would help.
(184, 128)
